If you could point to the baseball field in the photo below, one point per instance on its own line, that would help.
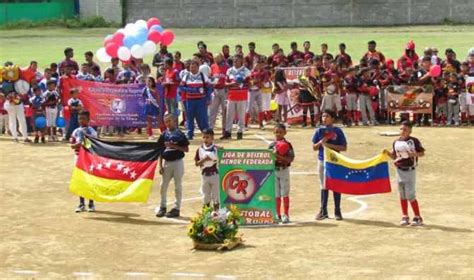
(42, 238)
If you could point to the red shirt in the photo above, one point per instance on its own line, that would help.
(295, 55)
(171, 90)
(251, 59)
(219, 72)
(178, 66)
(258, 78)
(368, 56)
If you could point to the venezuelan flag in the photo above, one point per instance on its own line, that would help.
(359, 177)
(114, 171)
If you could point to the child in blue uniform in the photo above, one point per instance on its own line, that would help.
(37, 104)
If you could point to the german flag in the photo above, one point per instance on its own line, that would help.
(114, 171)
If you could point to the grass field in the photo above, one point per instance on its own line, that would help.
(43, 238)
(47, 45)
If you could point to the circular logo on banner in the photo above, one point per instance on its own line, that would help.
(239, 185)
(118, 106)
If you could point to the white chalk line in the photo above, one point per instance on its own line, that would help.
(188, 274)
(357, 199)
(25, 272)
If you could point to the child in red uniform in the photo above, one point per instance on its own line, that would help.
(284, 154)
(171, 82)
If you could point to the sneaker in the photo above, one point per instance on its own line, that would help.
(80, 208)
(321, 216)
(226, 136)
(456, 124)
(405, 221)
(27, 140)
(304, 125)
(161, 212)
(91, 208)
(365, 124)
(262, 127)
(240, 135)
(417, 221)
(36, 141)
(285, 219)
(173, 213)
(338, 216)
(278, 220)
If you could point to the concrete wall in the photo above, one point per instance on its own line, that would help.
(110, 10)
(286, 13)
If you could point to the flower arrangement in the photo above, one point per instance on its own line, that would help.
(215, 230)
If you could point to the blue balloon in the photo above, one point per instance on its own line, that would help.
(129, 41)
(157, 27)
(40, 122)
(142, 29)
(141, 38)
(60, 122)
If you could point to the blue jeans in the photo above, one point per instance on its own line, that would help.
(196, 109)
(73, 124)
(172, 106)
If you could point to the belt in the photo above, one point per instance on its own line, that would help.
(210, 173)
(406, 168)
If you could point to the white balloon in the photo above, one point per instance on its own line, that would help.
(149, 47)
(140, 23)
(137, 51)
(22, 87)
(102, 55)
(130, 29)
(121, 30)
(123, 53)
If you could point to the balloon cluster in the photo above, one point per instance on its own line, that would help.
(135, 40)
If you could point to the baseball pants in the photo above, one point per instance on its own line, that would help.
(406, 184)
(172, 170)
(16, 113)
(218, 102)
(282, 182)
(210, 188)
(235, 108)
(196, 109)
(331, 101)
(365, 104)
(51, 115)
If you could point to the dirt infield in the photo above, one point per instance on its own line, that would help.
(42, 238)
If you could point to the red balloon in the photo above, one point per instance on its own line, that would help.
(118, 38)
(107, 41)
(152, 21)
(155, 36)
(435, 71)
(167, 37)
(111, 49)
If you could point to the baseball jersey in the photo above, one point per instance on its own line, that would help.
(74, 102)
(171, 90)
(335, 136)
(368, 56)
(218, 73)
(194, 85)
(295, 55)
(251, 59)
(238, 92)
(51, 98)
(149, 97)
(175, 136)
(401, 147)
(79, 134)
(289, 153)
(202, 152)
(37, 103)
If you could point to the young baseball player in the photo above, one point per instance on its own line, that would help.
(51, 97)
(206, 159)
(77, 139)
(405, 151)
(172, 144)
(284, 154)
(75, 106)
(237, 82)
(37, 105)
(333, 138)
(258, 77)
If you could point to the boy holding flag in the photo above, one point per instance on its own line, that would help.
(333, 138)
(405, 152)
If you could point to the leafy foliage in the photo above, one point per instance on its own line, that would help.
(212, 227)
